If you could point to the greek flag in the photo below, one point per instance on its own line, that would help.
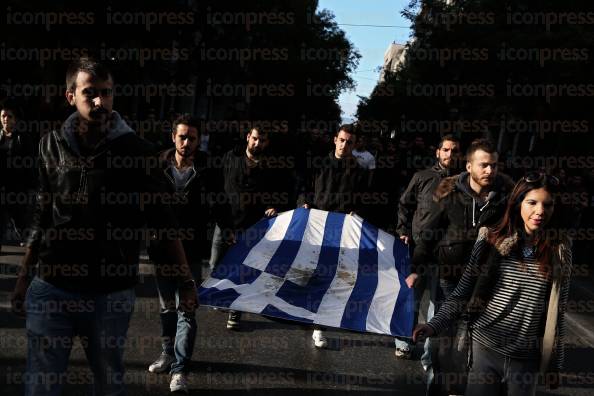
(317, 267)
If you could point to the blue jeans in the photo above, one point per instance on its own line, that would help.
(55, 317)
(178, 328)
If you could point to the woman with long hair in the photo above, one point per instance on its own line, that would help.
(514, 292)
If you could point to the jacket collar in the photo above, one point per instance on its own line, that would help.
(118, 127)
(561, 259)
(166, 159)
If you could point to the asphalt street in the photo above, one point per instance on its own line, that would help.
(271, 358)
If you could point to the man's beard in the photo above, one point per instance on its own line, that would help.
(187, 154)
(481, 182)
(98, 115)
(443, 164)
(255, 151)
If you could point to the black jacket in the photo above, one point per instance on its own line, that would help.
(92, 211)
(340, 185)
(416, 201)
(251, 191)
(458, 217)
(199, 201)
(17, 162)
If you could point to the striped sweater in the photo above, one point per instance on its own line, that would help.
(513, 320)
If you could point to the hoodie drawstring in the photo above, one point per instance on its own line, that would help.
(473, 208)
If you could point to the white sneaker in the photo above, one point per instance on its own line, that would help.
(320, 340)
(403, 353)
(162, 364)
(179, 383)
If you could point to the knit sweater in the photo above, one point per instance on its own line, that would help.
(512, 322)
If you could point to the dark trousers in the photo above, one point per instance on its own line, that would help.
(493, 374)
(217, 251)
(449, 359)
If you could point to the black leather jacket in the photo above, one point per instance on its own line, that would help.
(92, 211)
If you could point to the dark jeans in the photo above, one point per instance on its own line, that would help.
(449, 363)
(55, 317)
(446, 287)
(493, 374)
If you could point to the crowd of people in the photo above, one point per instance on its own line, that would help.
(483, 246)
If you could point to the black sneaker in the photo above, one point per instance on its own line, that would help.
(233, 321)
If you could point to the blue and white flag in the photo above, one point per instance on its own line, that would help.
(317, 267)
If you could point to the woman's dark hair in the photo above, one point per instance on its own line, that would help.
(512, 222)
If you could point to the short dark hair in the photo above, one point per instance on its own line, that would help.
(448, 138)
(186, 119)
(483, 144)
(87, 65)
(348, 128)
(11, 106)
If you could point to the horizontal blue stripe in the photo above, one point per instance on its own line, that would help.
(217, 298)
(238, 273)
(310, 296)
(277, 313)
(357, 308)
(284, 256)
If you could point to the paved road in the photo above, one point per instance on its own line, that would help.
(266, 357)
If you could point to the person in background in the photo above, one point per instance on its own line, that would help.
(192, 186)
(414, 210)
(17, 175)
(339, 183)
(253, 189)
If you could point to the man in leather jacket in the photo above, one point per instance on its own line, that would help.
(414, 213)
(95, 199)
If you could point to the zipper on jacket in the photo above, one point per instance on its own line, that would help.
(82, 185)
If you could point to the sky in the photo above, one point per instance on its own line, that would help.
(371, 42)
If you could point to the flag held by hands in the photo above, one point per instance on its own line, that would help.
(317, 267)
